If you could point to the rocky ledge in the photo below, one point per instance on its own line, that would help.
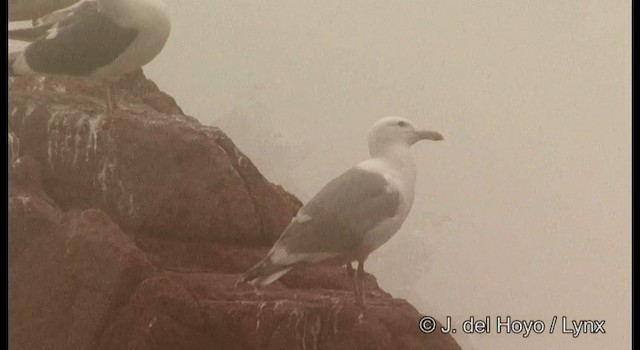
(127, 230)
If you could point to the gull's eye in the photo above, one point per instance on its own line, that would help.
(402, 123)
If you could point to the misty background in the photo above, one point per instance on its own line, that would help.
(523, 211)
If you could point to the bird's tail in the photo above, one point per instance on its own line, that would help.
(264, 272)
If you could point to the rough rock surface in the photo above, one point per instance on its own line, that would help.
(68, 283)
(128, 231)
(158, 172)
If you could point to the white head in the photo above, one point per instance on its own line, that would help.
(397, 131)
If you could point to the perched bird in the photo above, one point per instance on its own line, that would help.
(101, 39)
(353, 214)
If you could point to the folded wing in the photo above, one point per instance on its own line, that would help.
(332, 224)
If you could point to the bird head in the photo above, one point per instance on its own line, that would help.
(397, 131)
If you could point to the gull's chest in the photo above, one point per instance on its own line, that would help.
(405, 185)
(401, 179)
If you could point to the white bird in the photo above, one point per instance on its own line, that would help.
(353, 214)
(101, 39)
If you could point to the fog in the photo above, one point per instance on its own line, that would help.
(523, 210)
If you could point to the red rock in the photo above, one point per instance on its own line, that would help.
(164, 174)
(66, 285)
(206, 310)
(197, 213)
(31, 212)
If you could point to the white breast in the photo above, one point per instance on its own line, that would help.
(401, 179)
(153, 26)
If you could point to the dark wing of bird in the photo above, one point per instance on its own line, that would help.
(79, 44)
(44, 25)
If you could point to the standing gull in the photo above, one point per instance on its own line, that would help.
(101, 39)
(355, 213)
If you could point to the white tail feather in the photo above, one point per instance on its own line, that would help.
(265, 280)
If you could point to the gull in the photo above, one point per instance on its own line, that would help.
(101, 39)
(355, 213)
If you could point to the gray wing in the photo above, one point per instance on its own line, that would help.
(57, 20)
(21, 10)
(85, 43)
(67, 15)
(338, 217)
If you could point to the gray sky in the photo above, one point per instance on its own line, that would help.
(523, 210)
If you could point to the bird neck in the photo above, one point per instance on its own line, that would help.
(396, 161)
(398, 155)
